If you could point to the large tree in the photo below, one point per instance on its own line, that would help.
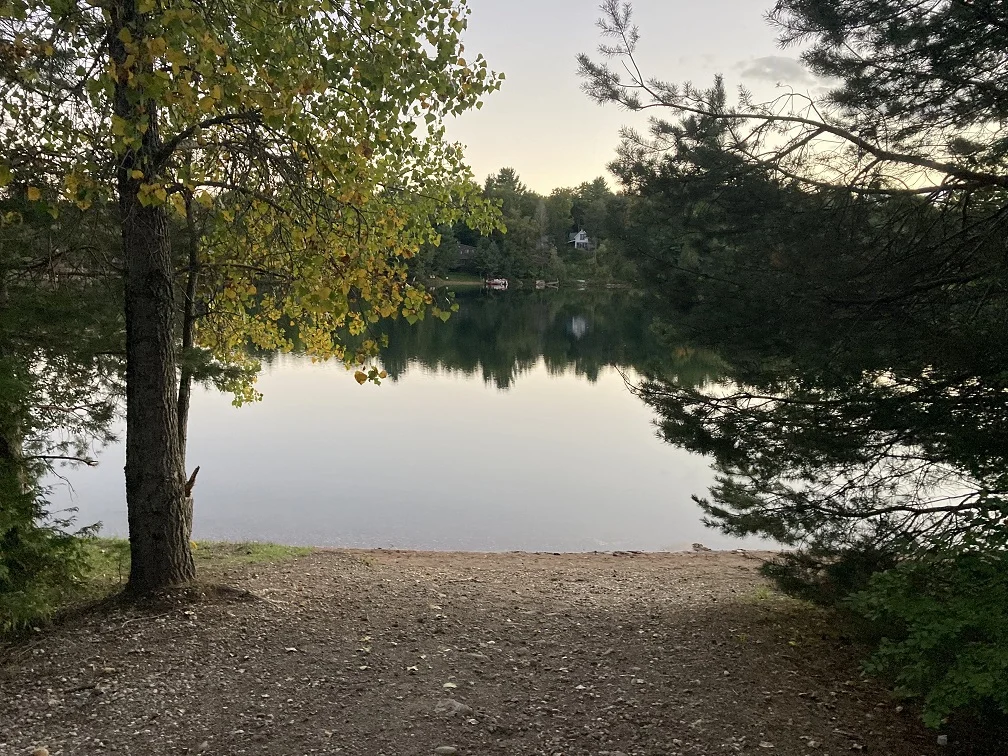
(324, 117)
(847, 256)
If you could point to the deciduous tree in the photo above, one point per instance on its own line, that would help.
(311, 127)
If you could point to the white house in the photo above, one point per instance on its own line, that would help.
(580, 240)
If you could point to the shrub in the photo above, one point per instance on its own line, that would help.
(40, 561)
(947, 631)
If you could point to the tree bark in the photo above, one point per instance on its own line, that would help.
(155, 497)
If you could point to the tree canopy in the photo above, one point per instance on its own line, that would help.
(845, 254)
(849, 261)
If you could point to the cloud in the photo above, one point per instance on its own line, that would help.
(778, 69)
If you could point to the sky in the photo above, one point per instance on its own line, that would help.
(540, 122)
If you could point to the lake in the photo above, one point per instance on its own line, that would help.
(509, 427)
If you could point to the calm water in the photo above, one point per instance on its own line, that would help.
(507, 428)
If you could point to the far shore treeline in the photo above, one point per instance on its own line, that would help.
(538, 239)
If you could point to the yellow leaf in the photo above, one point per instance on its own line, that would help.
(360, 376)
(34, 194)
(124, 36)
(137, 174)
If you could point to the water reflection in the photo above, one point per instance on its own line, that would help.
(502, 336)
(439, 457)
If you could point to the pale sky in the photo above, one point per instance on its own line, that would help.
(541, 124)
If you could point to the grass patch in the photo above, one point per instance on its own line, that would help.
(105, 568)
(109, 560)
(762, 593)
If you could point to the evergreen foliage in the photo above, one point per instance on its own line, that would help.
(41, 561)
(58, 394)
(846, 256)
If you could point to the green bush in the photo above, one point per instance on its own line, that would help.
(40, 562)
(947, 631)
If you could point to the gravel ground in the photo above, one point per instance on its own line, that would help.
(385, 652)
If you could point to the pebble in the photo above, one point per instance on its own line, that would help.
(40, 752)
(451, 707)
(446, 750)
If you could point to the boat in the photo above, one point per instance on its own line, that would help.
(497, 284)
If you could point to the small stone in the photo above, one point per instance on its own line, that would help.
(205, 745)
(446, 750)
(451, 707)
(766, 744)
(40, 752)
(943, 740)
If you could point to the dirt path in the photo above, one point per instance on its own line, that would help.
(382, 653)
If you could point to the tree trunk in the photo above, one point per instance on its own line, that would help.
(188, 327)
(188, 334)
(155, 497)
